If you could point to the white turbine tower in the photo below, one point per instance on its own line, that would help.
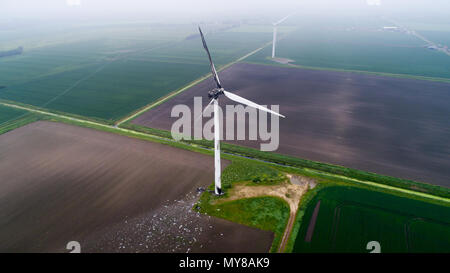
(274, 42)
(214, 96)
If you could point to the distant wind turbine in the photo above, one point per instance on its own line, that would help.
(274, 42)
(214, 96)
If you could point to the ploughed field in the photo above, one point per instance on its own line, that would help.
(392, 126)
(112, 193)
(345, 219)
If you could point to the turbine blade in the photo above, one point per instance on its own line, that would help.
(283, 19)
(213, 68)
(204, 110)
(240, 99)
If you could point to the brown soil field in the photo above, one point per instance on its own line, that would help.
(111, 193)
(392, 126)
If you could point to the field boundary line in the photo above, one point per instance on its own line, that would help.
(151, 136)
(364, 72)
(174, 93)
(411, 192)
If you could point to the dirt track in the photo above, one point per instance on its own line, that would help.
(392, 126)
(61, 183)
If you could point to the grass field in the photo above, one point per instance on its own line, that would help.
(347, 218)
(112, 70)
(8, 114)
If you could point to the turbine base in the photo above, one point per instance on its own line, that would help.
(218, 192)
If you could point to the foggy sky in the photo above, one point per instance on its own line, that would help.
(48, 9)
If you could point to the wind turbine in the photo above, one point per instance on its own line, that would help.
(274, 42)
(214, 96)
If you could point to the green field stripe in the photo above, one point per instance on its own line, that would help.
(410, 192)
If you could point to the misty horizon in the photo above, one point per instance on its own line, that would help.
(61, 10)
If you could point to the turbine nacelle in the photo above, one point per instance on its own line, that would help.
(215, 93)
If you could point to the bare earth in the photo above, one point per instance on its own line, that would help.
(62, 183)
(392, 126)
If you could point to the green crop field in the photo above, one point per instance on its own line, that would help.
(8, 114)
(348, 218)
(112, 70)
(11, 118)
(358, 45)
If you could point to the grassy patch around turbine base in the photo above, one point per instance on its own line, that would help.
(266, 212)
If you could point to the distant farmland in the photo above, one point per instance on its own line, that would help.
(390, 126)
(108, 75)
(358, 44)
(345, 219)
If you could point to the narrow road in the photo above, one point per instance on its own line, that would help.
(287, 232)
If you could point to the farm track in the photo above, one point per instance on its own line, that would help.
(287, 232)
